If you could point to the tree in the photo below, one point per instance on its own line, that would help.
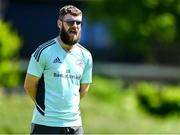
(139, 25)
(10, 44)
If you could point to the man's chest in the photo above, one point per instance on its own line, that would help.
(65, 65)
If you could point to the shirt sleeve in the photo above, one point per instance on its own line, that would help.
(87, 74)
(36, 66)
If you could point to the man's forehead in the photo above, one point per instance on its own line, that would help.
(72, 17)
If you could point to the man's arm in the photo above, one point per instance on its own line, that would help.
(83, 90)
(30, 85)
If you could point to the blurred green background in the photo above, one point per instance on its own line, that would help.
(135, 47)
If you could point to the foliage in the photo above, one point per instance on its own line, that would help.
(139, 25)
(104, 90)
(159, 100)
(10, 44)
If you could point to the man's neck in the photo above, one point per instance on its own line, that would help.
(64, 46)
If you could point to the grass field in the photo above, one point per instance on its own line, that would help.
(106, 109)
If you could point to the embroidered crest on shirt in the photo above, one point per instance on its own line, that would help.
(79, 62)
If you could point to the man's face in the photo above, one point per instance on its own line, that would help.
(71, 29)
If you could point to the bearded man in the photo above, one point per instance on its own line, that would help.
(58, 76)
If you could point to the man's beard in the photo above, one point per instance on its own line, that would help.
(67, 39)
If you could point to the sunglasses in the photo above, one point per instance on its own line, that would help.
(72, 22)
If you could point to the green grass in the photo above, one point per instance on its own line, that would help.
(15, 114)
(109, 108)
(106, 109)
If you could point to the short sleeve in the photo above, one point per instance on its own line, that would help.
(36, 66)
(87, 74)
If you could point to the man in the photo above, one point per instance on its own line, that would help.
(58, 75)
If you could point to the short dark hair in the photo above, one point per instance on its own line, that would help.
(69, 9)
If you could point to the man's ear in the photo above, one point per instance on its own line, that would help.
(59, 23)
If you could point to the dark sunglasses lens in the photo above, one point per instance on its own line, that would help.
(78, 22)
(71, 23)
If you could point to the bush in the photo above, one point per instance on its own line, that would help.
(104, 90)
(10, 44)
(158, 100)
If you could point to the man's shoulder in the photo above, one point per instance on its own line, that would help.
(46, 44)
(83, 49)
(43, 47)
